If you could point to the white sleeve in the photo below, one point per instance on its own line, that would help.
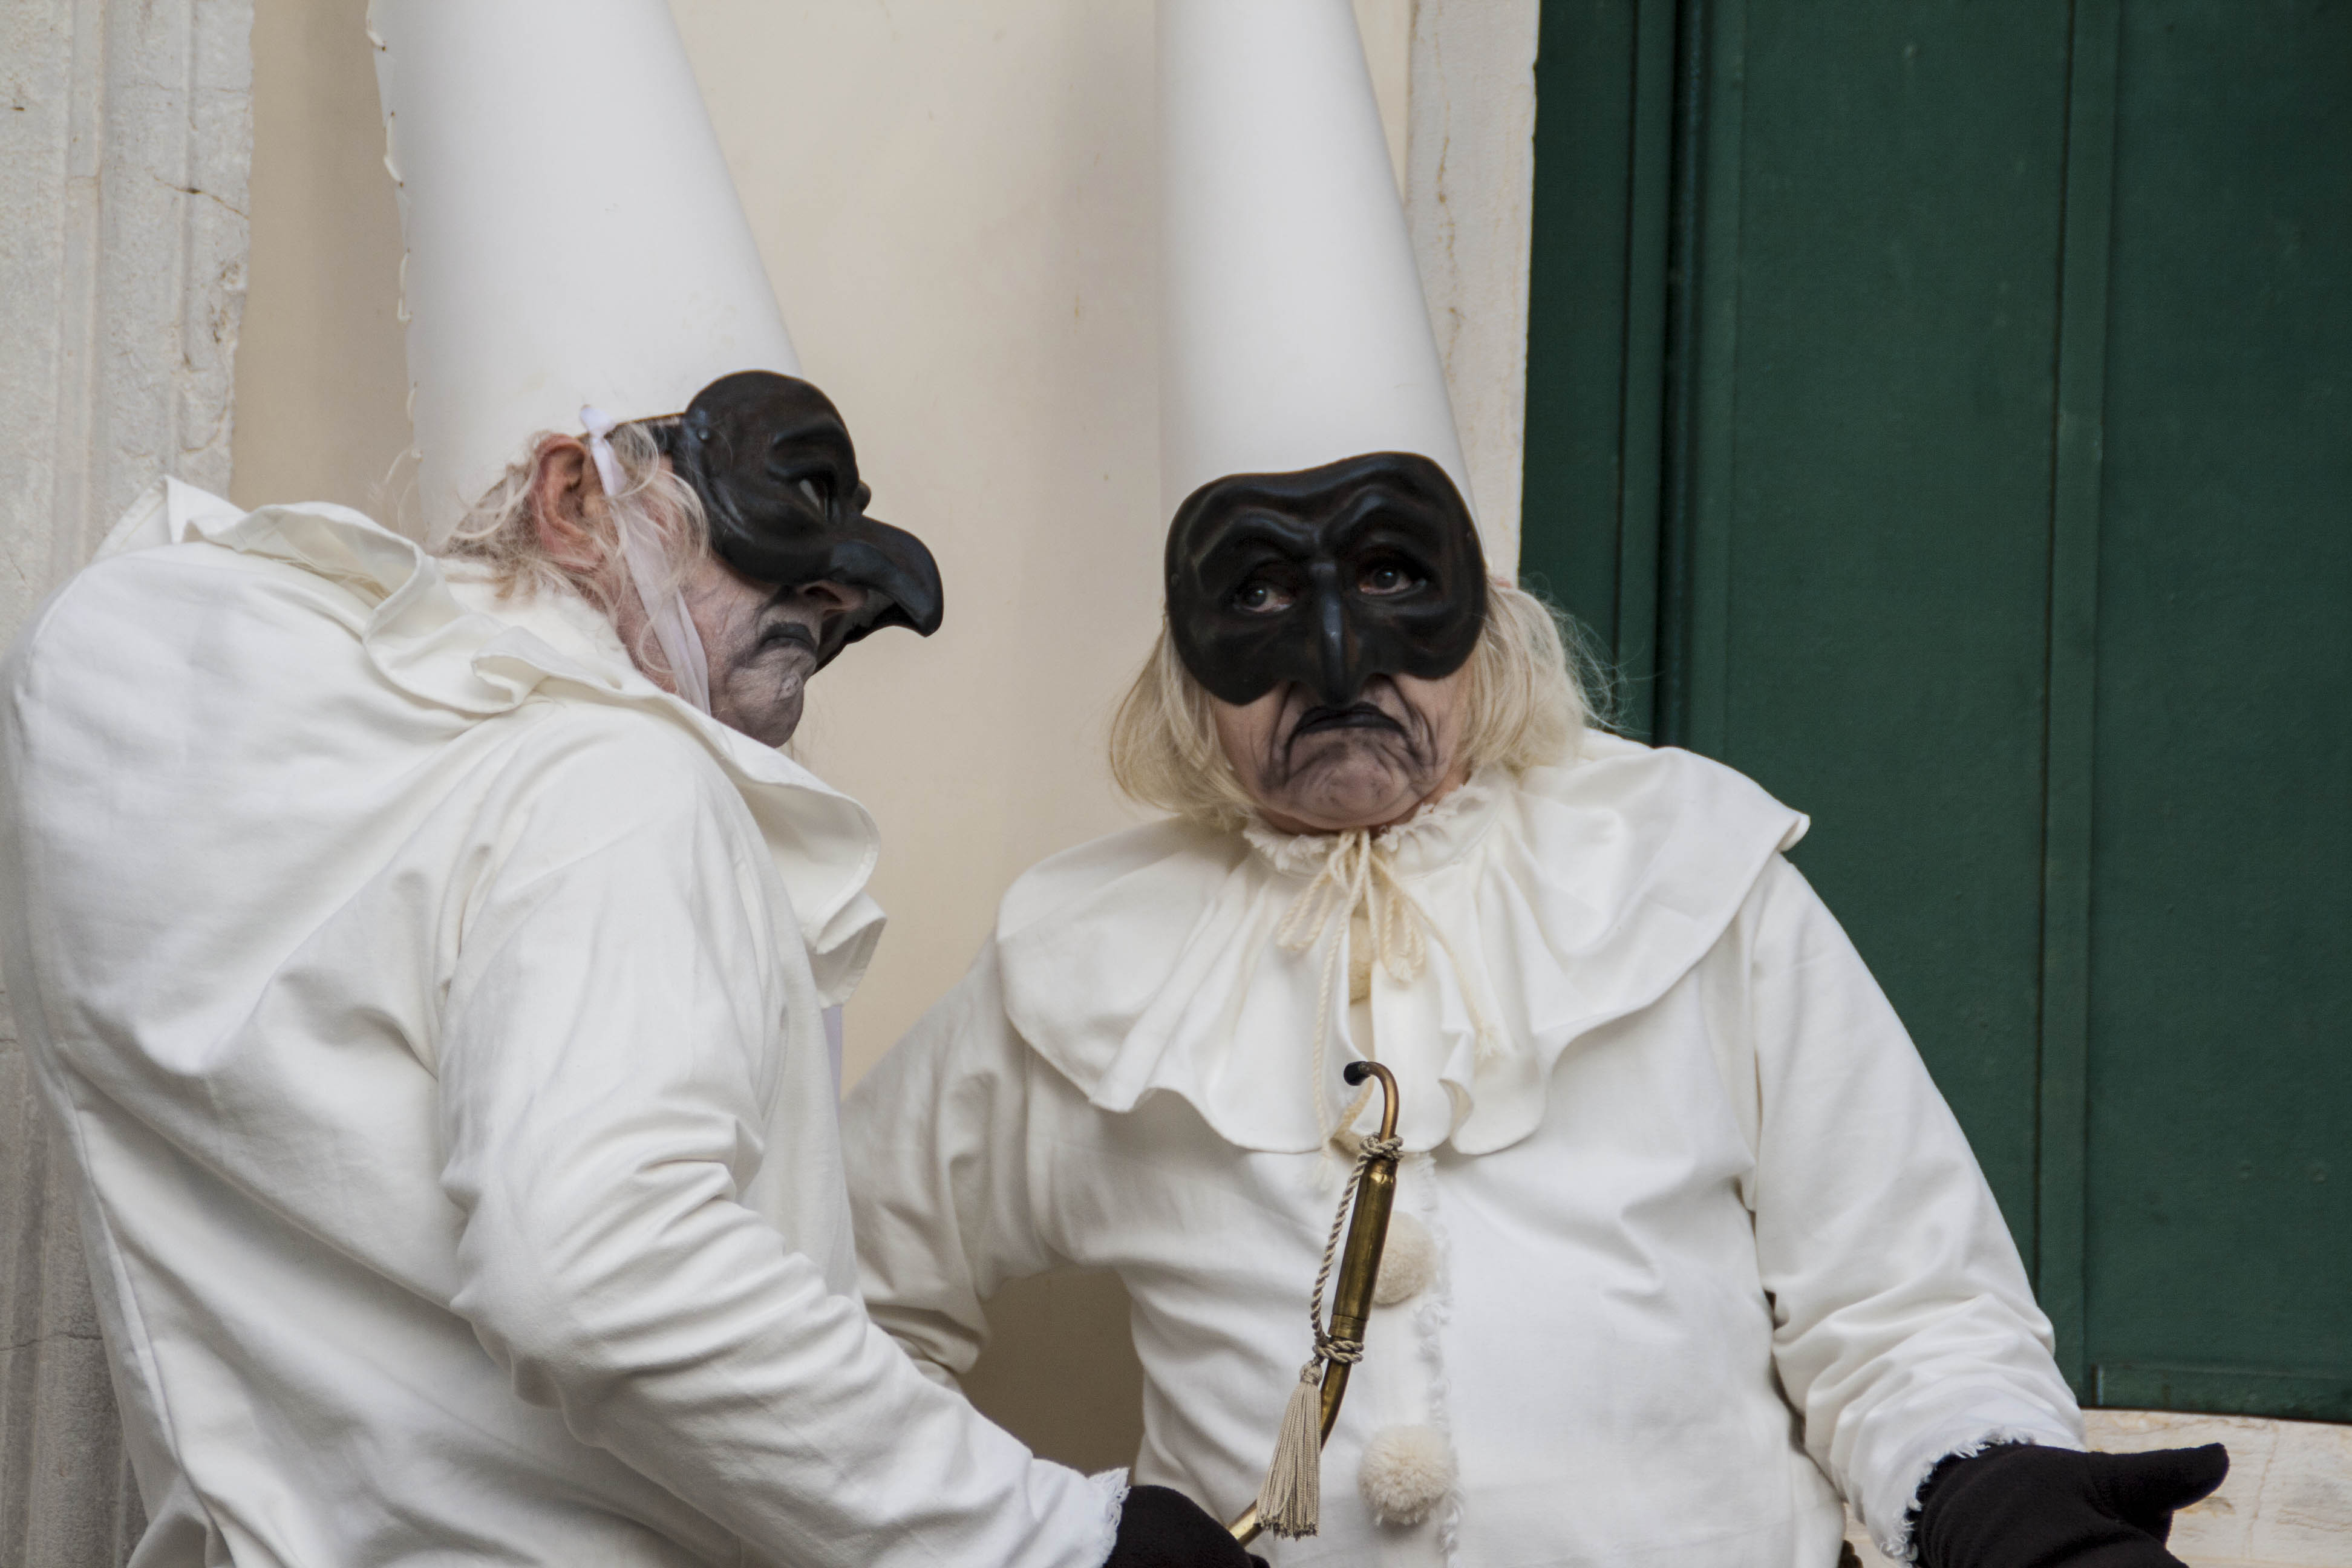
(1905, 1328)
(610, 1032)
(943, 1189)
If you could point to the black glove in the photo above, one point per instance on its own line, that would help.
(1160, 1528)
(2023, 1507)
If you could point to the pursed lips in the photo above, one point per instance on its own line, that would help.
(787, 632)
(1354, 716)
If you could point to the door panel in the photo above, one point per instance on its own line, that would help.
(1596, 330)
(1880, 589)
(2220, 1200)
(1952, 430)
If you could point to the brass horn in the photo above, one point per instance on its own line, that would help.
(1372, 1193)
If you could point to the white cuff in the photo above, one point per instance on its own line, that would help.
(1112, 1486)
(1886, 1508)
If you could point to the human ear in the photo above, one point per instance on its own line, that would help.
(559, 498)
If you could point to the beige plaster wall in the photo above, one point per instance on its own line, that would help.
(321, 383)
(955, 203)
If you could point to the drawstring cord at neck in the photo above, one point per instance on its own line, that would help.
(1359, 872)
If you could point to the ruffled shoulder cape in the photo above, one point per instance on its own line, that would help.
(1567, 897)
(440, 644)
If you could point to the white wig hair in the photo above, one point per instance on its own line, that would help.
(501, 532)
(1528, 702)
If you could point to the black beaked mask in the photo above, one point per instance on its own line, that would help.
(773, 462)
(1327, 577)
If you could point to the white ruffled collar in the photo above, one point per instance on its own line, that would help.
(1432, 837)
(562, 619)
(1567, 897)
(447, 638)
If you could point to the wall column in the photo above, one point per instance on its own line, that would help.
(126, 132)
(1470, 171)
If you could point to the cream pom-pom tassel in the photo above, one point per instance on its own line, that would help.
(1407, 1472)
(1408, 1261)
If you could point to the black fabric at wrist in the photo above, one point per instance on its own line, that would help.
(2022, 1505)
(1942, 1473)
(1159, 1527)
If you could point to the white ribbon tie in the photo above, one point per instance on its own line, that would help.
(641, 556)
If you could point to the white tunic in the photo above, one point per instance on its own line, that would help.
(431, 1007)
(1712, 1250)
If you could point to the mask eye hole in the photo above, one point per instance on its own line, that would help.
(1261, 595)
(1388, 576)
(814, 491)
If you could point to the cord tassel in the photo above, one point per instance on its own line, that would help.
(1290, 1503)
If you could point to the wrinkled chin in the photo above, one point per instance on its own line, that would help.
(1348, 778)
(764, 699)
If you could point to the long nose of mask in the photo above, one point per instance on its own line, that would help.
(773, 465)
(1325, 577)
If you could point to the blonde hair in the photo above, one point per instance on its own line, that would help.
(1525, 705)
(502, 531)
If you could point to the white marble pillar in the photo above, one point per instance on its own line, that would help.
(126, 132)
(1470, 199)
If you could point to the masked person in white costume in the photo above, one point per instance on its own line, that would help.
(426, 955)
(1686, 1245)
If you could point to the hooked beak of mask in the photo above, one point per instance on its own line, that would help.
(772, 463)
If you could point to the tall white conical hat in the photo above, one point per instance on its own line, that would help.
(1293, 328)
(572, 234)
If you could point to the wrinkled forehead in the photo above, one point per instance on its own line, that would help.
(1379, 497)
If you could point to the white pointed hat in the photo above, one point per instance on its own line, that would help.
(574, 237)
(1293, 328)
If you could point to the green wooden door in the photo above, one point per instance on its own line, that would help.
(1944, 411)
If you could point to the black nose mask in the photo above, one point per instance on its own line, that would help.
(773, 462)
(1328, 577)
